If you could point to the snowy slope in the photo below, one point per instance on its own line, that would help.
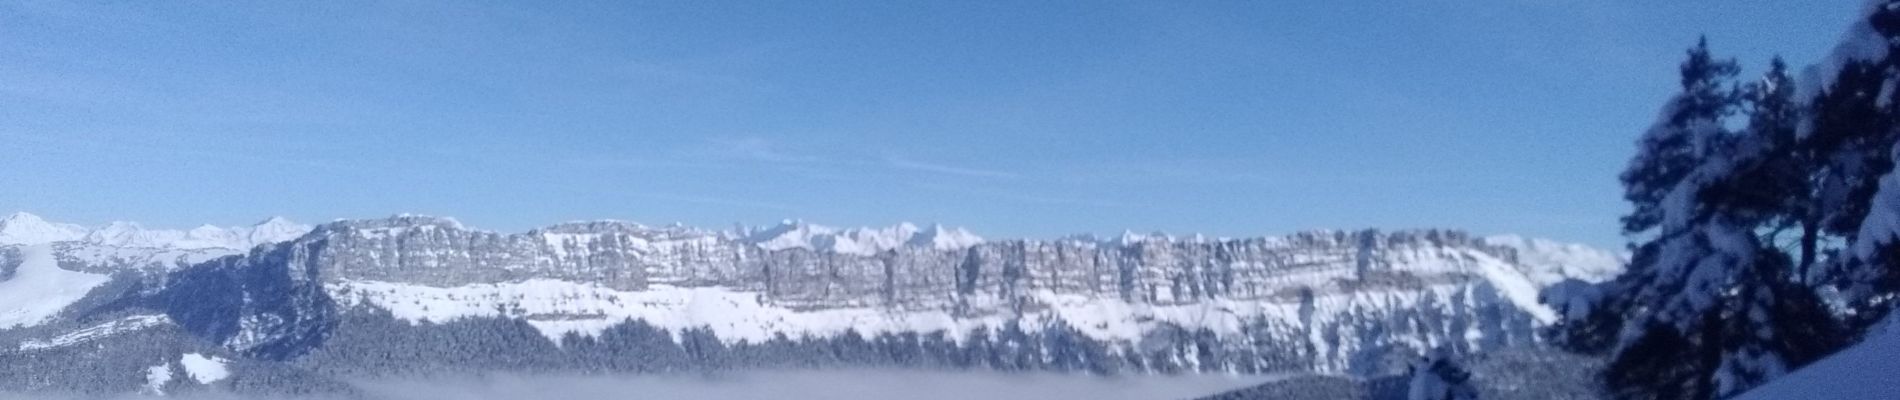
(204, 369)
(39, 288)
(1867, 371)
(1548, 262)
(96, 332)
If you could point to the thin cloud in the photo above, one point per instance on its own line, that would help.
(90, 145)
(913, 165)
(759, 149)
(1027, 198)
(706, 200)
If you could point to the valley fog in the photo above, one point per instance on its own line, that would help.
(831, 384)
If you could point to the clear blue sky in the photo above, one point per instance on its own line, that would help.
(1011, 118)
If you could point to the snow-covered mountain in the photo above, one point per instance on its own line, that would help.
(22, 228)
(1358, 302)
(1548, 262)
(860, 241)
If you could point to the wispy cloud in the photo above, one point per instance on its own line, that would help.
(716, 201)
(1019, 197)
(763, 150)
(757, 155)
(129, 145)
(759, 149)
(914, 165)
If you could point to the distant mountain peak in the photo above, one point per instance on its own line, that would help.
(1547, 261)
(793, 233)
(21, 217)
(25, 228)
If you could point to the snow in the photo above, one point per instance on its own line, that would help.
(550, 305)
(204, 369)
(941, 238)
(1130, 238)
(29, 229)
(133, 235)
(40, 289)
(1882, 225)
(1517, 288)
(1869, 370)
(558, 307)
(1548, 262)
(156, 377)
(1859, 43)
(96, 332)
(168, 258)
(275, 230)
(860, 241)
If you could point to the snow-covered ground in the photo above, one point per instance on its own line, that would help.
(39, 289)
(558, 307)
(204, 369)
(1867, 371)
(1547, 262)
(156, 377)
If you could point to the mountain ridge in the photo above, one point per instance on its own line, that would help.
(1329, 301)
(23, 228)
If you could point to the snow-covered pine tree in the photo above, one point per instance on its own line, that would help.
(1690, 123)
(1853, 135)
(1438, 376)
(1709, 306)
(1669, 150)
(1780, 187)
(1874, 260)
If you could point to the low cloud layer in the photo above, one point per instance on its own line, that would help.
(841, 385)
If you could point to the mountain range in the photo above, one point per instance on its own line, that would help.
(256, 307)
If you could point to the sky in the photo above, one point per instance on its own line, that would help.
(1013, 119)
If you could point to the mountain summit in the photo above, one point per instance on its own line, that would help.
(21, 228)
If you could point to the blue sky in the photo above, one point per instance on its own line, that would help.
(1015, 119)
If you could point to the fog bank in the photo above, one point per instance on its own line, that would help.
(831, 384)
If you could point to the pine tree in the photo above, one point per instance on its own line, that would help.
(1779, 188)
(1671, 149)
(1851, 141)
(1710, 306)
(1873, 263)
